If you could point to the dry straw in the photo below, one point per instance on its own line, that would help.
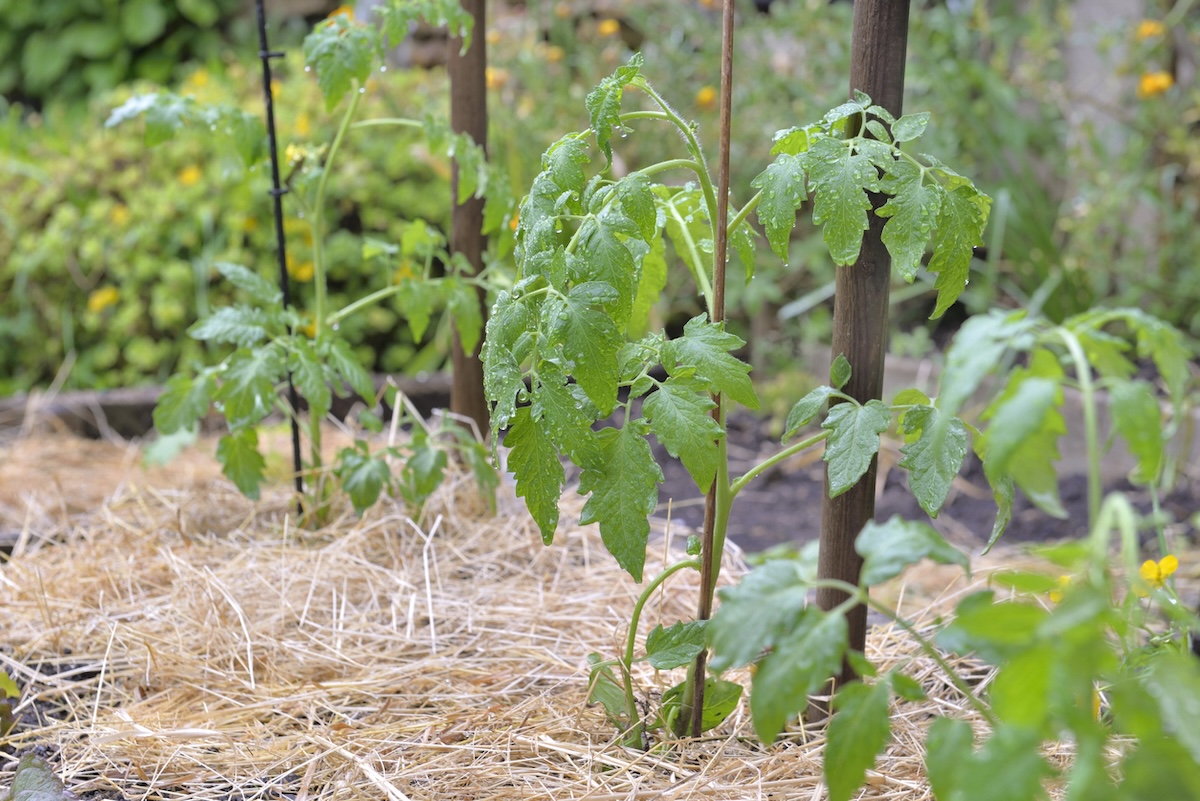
(182, 642)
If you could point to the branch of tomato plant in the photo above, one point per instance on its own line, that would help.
(1083, 372)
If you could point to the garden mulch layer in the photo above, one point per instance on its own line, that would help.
(175, 640)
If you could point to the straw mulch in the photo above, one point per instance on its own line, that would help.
(183, 642)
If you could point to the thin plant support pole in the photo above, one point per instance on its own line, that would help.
(860, 313)
(277, 192)
(716, 504)
(468, 114)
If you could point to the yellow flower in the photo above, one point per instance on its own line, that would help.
(293, 154)
(1056, 596)
(493, 37)
(303, 125)
(608, 27)
(1152, 84)
(706, 98)
(1156, 573)
(190, 175)
(554, 54)
(1149, 29)
(276, 87)
(514, 221)
(302, 271)
(347, 10)
(197, 80)
(102, 298)
(403, 273)
(496, 77)
(249, 225)
(119, 215)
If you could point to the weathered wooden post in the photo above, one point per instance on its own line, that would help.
(468, 114)
(860, 315)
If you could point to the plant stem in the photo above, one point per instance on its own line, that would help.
(744, 212)
(401, 122)
(770, 462)
(318, 218)
(1083, 372)
(363, 302)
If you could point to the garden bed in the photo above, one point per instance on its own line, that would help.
(173, 639)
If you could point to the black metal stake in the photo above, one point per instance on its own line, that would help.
(277, 192)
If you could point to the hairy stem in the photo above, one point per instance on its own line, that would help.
(766, 464)
(1087, 391)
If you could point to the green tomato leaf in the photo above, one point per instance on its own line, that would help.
(8, 687)
(783, 192)
(1174, 683)
(605, 689)
(686, 224)
(651, 283)
(465, 306)
(840, 179)
(1138, 418)
(363, 476)
(35, 780)
(590, 340)
(887, 548)
(679, 416)
(949, 746)
(705, 347)
(422, 472)
(857, 733)
(308, 373)
(342, 53)
(240, 460)
(805, 410)
(994, 630)
(911, 212)
(601, 256)
(142, 21)
(247, 391)
(563, 162)
(566, 413)
(637, 203)
(840, 371)
(906, 686)
(539, 474)
(604, 103)
(418, 298)
(720, 699)
(853, 441)
(1024, 424)
(803, 660)
(624, 493)
(933, 456)
(250, 282)
(340, 356)
(978, 349)
(961, 219)
(910, 126)
(235, 325)
(675, 646)
(184, 401)
(757, 613)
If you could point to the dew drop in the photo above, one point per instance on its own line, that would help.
(336, 326)
(383, 68)
(362, 90)
(307, 68)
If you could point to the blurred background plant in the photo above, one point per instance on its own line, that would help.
(106, 250)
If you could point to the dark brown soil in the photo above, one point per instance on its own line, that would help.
(784, 504)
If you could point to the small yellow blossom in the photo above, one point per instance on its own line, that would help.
(494, 37)
(709, 3)
(300, 271)
(496, 77)
(514, 221)
(119, 215)
(249, 225)
(347, 10)
(706, 98)
(1156, 573)
(293, 154)
(554, 54)
(1056, 596)
(403, 273)
(100, 299)
(276, 87)
(309, 329)
(303, 125)
(190, 175)
(197, 80)
(608, 27)
(1153, 84)
(1149, 29)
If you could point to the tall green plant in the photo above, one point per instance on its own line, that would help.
(567, 347)
(272, 342)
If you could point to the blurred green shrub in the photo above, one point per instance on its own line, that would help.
(69, 48)
(107, 247)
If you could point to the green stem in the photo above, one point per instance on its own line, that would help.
(1087, 391)
(744, 212)
(633, 737)
(363, 302)
(401, 122)
(959, 684)
(785, 454)
(318, 216)
(669, 164)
